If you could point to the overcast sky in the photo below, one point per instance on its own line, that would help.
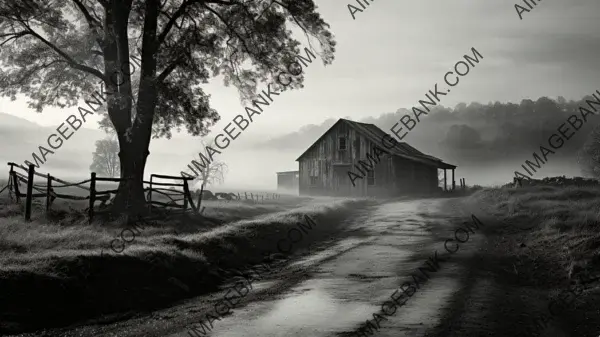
(396, 50)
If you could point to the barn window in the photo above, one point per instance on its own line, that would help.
(370, 178)
(342, 143)
(314, 180)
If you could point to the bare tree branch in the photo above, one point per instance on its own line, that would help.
(14, 36)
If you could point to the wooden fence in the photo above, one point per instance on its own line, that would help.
(207, 195)
(49, 190)
(185, 195)
(231, 196)
(259, 197)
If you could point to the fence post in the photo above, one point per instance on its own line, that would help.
(150, 196)
(186, 192)
(15, 181)
(92, 197)
(200, 197)
(239, 198)
(9, 186)
(48, 192)
(29, 192)
(10, 179)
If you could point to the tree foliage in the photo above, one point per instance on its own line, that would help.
(58, 52)
(105, 160)
(463, 136)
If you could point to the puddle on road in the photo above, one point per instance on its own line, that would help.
(309, 310)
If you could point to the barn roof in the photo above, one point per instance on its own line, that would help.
(375, 135)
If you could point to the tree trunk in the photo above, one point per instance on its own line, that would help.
(134, 153)
(134, 136)
(130, 198)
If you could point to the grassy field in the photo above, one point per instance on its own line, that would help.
(68, 261)
(552, 237)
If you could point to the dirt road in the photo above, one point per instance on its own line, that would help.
(336, 289)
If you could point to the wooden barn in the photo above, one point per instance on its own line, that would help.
(401, 170)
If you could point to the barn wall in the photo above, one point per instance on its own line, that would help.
(414, 177)
(327, 163)
(385, 177)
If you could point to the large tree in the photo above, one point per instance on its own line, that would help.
(57, 52)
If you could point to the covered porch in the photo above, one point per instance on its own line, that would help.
(446, 167)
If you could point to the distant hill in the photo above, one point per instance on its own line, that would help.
(20, 138)
(10, 121)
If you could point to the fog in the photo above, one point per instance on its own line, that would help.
(488, 143)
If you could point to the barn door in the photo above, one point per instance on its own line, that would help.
(342, 184)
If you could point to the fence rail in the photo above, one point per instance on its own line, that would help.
(47, 190)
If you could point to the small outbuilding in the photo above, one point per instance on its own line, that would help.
(288, 181)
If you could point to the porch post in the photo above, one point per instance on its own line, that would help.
(445, 181)
(453, 182)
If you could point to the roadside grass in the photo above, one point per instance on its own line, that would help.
(565, 220)
(46, 263)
